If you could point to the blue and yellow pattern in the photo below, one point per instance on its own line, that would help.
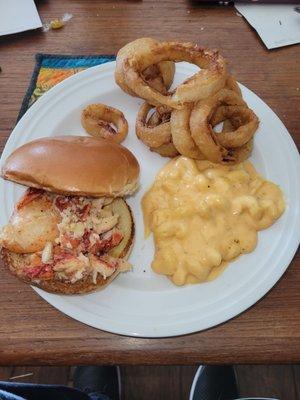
(51, 69)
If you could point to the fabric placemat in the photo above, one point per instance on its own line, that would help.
(50, 69)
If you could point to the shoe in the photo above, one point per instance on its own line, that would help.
(214, 383)
(94, 380)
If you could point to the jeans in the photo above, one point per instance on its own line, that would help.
(31, 391)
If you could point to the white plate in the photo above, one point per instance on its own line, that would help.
(141, 303)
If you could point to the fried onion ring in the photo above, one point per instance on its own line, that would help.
(227, 126)
(244, 123)
(225, 97)
(166, 150)
(152, 132)
(162, 114)
(206, 114)
(232, 84)
(238, 154)
(204, 83)
(181, 134)
(180, 125)
(100, 120)
(156, 131)
(158, 76)
(154, 78)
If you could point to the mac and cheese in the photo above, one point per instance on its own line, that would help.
(203, 215)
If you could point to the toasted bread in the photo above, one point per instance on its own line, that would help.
(74, 165)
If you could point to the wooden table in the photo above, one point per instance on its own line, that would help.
(33, 332)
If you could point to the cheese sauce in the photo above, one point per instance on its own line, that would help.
(203, 215)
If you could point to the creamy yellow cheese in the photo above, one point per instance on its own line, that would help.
(203, 215)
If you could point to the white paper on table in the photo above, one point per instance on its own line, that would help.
(277, 25)
(18, 16)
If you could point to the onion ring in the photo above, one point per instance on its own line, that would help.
(158, 76)
(201, 125)
(244, 123)
(153, 133)
(204, 83)
(232, 84)
(154, 78)
(156, 132)
(227, 126)
(181, 134)
(98, 120)
(166, 150)
(180, 126)
(238, 154)
(226, 97)
(160, 116)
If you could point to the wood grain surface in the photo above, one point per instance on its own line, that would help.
(33, 332)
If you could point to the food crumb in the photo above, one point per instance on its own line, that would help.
(188, 12)
(202, 28)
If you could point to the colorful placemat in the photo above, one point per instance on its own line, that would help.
(50, 69)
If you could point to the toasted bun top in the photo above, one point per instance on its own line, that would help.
(74, 165)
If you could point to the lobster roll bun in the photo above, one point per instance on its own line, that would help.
(72, 230)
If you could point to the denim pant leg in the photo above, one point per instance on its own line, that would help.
(30, 391)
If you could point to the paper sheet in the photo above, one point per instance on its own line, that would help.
(277, 25)
(18, 16)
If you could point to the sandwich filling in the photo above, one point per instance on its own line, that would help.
(65, 237)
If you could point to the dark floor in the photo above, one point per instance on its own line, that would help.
(163, 383)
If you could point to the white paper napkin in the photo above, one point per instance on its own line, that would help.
(277, 25)
(18, 16)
